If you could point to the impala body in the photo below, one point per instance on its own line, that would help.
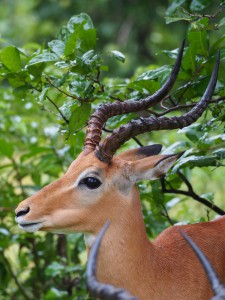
(100, 186)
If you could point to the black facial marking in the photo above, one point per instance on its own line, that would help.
(150, 150)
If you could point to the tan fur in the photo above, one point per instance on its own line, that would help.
(164, 269)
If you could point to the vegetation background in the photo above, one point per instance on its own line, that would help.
(56, 67)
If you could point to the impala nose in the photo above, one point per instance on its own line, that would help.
(23, 212)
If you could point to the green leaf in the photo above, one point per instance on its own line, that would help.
(174, 6)
(195, 161)
(6, 148)
(79, 117)
(197, 5)
(219, 153)
(162, 72)
(177, 19)
(157, 194)
(81, 88)
(143, 86)
(54, 293)
(43, 94)
(208, 196)
(222, 22)
(188, 61)
(10, 57)
(44, 57)
(216, 45)
(81, 39)
(36, 69)
(193, 132)
(216, 139)
(199, 42)
(4, 238)
(118, 55)
(83, 35)
(57, 46)
(80, 19)
(55, 269)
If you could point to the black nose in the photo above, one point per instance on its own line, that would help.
(23, 212)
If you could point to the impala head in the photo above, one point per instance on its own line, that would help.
(90, 192)
(100, 185)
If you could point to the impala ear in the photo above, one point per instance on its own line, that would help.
(142, 152)
(152, 167)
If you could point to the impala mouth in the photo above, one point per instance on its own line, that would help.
(29, 226)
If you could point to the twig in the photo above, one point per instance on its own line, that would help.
(190, 193)
(166, 214)
(18, 177)
(199, 16)
(65, 93)
(59, 111)
(22, 290)
(183, 106)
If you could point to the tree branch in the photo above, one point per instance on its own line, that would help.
(19, 177)
(166, 214)
(183, 106)
(59, 111)
(20, 287)
(190, 193)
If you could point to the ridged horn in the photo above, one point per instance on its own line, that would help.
(106, 111)
(108, 147)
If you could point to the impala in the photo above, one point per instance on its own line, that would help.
(100, 186)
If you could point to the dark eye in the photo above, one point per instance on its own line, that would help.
(91, 182)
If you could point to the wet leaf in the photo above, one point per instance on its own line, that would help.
(118, 55)
(10, 57)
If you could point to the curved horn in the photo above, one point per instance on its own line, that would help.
(217, 287)
(108, 147)
(106, 111)
(97, 289)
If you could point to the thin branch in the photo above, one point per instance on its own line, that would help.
(59, 111)
(65, 93)
(20, 287)
(185, 180)
(199, 16)
(137, 141)
(19, 178)
(97, 80)
(183, 106)
(190, 193)
(166, 214)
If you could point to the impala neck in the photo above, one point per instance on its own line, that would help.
(125, 248)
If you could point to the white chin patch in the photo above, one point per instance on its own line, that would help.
(89, 239)
(30, 227)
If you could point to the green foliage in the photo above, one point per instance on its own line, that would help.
(48, 92)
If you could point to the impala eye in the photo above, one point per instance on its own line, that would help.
(91, 182)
